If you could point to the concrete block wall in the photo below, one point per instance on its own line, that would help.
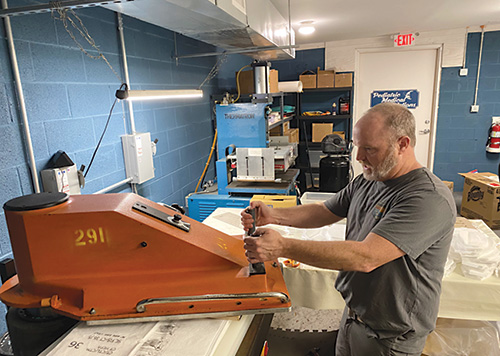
(462, 135)
(289, 70)
(69, 96)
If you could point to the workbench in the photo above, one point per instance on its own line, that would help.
(461, 297)
(242, 336)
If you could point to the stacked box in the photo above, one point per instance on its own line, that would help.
(343, 80)
(308, 79)
(481, 198)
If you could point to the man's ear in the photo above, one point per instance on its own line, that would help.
(403, 143)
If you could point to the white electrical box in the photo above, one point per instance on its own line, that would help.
(138, 155)
(64, 179)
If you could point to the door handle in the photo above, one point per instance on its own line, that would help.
(424, 132)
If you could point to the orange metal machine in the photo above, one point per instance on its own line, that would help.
(121, 256)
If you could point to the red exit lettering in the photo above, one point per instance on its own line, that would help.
(404, 40)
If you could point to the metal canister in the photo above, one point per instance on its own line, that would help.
(261, 77)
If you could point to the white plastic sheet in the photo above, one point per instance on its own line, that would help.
(477, 252)
(463, 337)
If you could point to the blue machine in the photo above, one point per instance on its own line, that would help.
(238, 125)
(202, 205)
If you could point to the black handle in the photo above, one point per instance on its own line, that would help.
(259, 267)
(251, 211)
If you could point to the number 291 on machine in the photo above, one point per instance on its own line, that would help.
(89, 237)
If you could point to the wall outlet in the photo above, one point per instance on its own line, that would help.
(495, 120)
(463, 72)
(474, 108)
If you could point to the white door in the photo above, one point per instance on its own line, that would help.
(398, 70)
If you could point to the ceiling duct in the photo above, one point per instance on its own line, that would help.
(229, 24)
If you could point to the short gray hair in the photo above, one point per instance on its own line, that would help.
(398, 118)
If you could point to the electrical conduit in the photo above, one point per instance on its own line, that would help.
(125, 70)
(127, 81)
(19, 89)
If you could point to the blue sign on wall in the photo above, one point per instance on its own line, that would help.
(408, 98)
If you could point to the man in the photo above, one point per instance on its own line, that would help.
(400, 221)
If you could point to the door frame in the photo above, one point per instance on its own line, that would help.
(435, 96)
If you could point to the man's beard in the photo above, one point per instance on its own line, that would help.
(380, 172)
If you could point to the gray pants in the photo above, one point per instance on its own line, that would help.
(352, 340)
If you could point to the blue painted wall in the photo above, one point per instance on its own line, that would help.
(461, 135)
(289, 70)
(226, 78)
(69, 95)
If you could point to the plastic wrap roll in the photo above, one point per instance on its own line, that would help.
(290, 87)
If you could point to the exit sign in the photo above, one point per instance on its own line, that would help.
(404, 40)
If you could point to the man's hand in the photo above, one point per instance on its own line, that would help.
(267, 245)
(263, 215)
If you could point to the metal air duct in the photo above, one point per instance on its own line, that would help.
(228, 24)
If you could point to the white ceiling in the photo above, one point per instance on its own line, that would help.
(349, 19)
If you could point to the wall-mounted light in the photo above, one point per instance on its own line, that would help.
(138, 95)
(306, 27)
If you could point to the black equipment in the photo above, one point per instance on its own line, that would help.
(334, 144)
(334, 169)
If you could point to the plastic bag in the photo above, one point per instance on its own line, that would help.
(453, 337)
(478, 253)
(449, 267)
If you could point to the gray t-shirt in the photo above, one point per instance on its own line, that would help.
(416, 212)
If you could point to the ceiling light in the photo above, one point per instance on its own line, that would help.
(138, 95)
(306, 27)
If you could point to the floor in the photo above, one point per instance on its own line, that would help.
(304, 331)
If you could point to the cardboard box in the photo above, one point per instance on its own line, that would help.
(247, 85)
(319, 131)
(448, 184)
(308, 79)
(343, 80)
(325, 79)
(293, 135)
(276, 131)
(276, 201)
(481, 198)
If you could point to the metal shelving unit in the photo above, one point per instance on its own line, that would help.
(310, 152)
(283, 119)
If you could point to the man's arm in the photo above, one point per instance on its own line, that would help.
(303, 216)
(363, 256)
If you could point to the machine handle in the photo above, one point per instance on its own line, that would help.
(259, 267)
(141, 306)
(251, 211)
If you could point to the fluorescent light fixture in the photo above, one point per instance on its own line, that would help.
(138, 95)
(306, 27)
